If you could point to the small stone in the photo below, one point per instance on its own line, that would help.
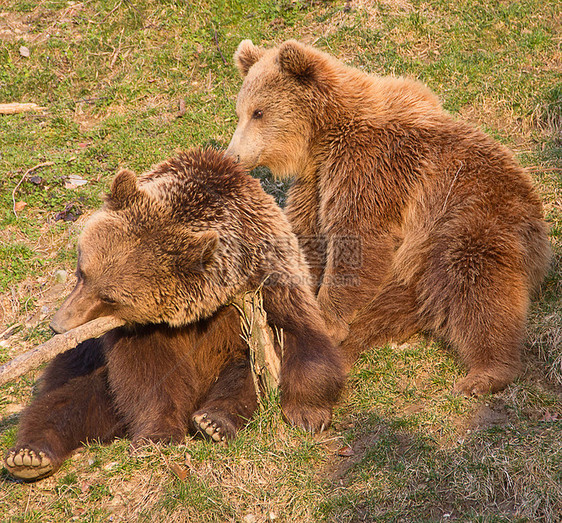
(24, 51)
(60, 276)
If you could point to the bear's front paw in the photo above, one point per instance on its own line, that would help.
(28, 465)
(215, 424)
(312, 419)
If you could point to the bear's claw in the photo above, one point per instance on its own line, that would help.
(28, 465)
(210, 427)
(311, 419)
(478, 382)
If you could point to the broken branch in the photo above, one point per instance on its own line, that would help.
(265, 363)
(219, 49)
(56, 345)
(14, 108)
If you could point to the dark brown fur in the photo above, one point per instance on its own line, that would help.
(167, 253)
(449, 229)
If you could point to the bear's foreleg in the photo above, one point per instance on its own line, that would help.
(302, 213)
(312, 371)
(356, 267)
(391, 316)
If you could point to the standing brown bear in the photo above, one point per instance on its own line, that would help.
(410, 219)
(167, 253)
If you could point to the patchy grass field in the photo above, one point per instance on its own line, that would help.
(127, 84)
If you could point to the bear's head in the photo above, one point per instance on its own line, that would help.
(152, 254)
(282, 96)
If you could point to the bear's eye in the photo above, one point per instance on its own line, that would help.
(258, 113)
(108, 300)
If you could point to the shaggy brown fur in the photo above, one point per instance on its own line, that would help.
(412, 220)
(167, 253)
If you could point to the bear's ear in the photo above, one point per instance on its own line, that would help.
(247, 55)
(205, 246)
(123, 189)
(297, 60)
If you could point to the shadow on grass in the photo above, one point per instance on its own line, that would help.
(7, 439)
(498, 474)
(8, 423)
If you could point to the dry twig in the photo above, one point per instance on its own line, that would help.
(218, 47)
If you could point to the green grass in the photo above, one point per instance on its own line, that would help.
(112, 75)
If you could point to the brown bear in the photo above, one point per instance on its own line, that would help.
(411, 220)
(167, 253)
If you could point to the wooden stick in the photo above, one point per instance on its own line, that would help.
(56, 345)
(14, 108)
(265, 363)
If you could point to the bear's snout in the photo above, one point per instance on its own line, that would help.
(235, 157)
(56, 327)
(232, 154)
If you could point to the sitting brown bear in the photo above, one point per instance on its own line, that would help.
(167, 253)
(410, 219)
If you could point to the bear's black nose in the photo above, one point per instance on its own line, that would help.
(235, 157)
(56, 328)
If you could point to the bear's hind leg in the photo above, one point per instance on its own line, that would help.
(58, 422)
(73, 405)
(475, 294)
(230, 403)
(392, 315)
(489, 341)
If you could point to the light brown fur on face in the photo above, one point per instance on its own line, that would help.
(167, 253)
(410, 219)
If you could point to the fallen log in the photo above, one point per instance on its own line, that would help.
(56, 345)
